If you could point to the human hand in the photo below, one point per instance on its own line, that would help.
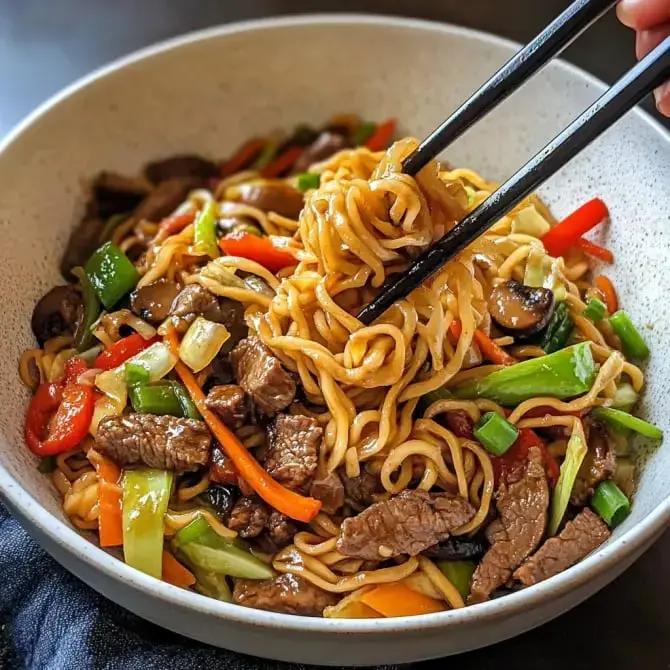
(651, 21)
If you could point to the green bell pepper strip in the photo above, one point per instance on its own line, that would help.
(189, 410)
(158, 398)
(618, 419)
(308, 180)
(595, 310)
(145, 499)
(136, 374)
(558, 330)
(495, 433)
(204, 236)
(111, 274)
(212, 584)
(459, 573)
(610, 503)
(362, 133)
(564, 374)
(83, 337)
(574, 456)
(632, 342)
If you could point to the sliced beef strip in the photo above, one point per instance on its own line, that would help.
(229, 403)
(324, 146)
(599, 464)
(83, 241)
(152, 302)
(164, 442)
(259, 372)
(585, 533)
(286, 593)
(165, 198)
(293, 450)
(522, 504)
(408, 523)
(57, 312)
(179, 167)
(249, 517)
(114, 193)
(359, 491)
(329, 491)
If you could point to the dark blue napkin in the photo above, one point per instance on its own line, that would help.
(49, 620)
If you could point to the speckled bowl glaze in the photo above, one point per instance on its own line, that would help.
(206, 92)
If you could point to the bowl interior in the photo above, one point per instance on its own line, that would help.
(208, 95)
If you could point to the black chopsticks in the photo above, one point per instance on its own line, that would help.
(649, 73)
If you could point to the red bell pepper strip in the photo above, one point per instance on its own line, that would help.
(42, 407)
(177, 223)
(122, 350)
(74, 367)
(594, 250)
(567, 232)
(608, 293)
(243, 157)
(283, 163)
(259, 249)
(518, 453)
(381, 138)
(71, 421)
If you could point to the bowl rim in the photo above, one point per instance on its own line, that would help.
(71, 541)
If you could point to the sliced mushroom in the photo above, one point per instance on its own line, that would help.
(57, 312)
(270, 195)
(522, 310)
(153, 301)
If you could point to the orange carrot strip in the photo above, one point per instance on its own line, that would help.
(174, 572)
(287, 502)
(606, 289)
(243, 157)
(392, 600)
(110, 526)
(489, 348)
(282, 163)
(594, 250)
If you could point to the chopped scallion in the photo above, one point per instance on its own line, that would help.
(496, 433)
(308, 180)
(595, 310)
(610, 503)
(632, 342)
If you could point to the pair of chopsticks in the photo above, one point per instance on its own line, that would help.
(649, 73)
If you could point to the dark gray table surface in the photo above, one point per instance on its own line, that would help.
(46, 44)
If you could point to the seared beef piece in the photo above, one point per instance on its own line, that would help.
(462, 548)
(221, 468)
(249, 517)
(179, 167)
(324, 146)
(293, 450)
(164, 442)
(599, 464)
(280, 529)
(195, 300)
(165, 198)
(408, 523)
(329, 491)
(220, 497)
(262, 376)
(83, 241)
(522, 503)
(585, 533)
(269, 195)
(114, 193)
(359, 491)
(286, 593)
(153, 301)
(56, 312)
(230, 404)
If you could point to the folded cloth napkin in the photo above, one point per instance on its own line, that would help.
(49, 620)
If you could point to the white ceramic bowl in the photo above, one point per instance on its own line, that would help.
(205, 93)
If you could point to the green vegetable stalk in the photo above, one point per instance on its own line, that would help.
(204, 235)
(564, 374)
(158, 398)
(574, 456)
(619, 419)
(459, 573)
(145, 499)
(632, 342)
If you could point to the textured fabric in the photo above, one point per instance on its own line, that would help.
(49, 620)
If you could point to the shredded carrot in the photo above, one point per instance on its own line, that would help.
(608, 293)
(283, 163)
(381, 138)
(243, 157)
(174, 572)
(392, 600)
(109, 498)
(594, 250)
(490, 350)
(287, 502)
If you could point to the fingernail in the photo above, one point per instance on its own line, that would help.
(662, 97)
(625, 10)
